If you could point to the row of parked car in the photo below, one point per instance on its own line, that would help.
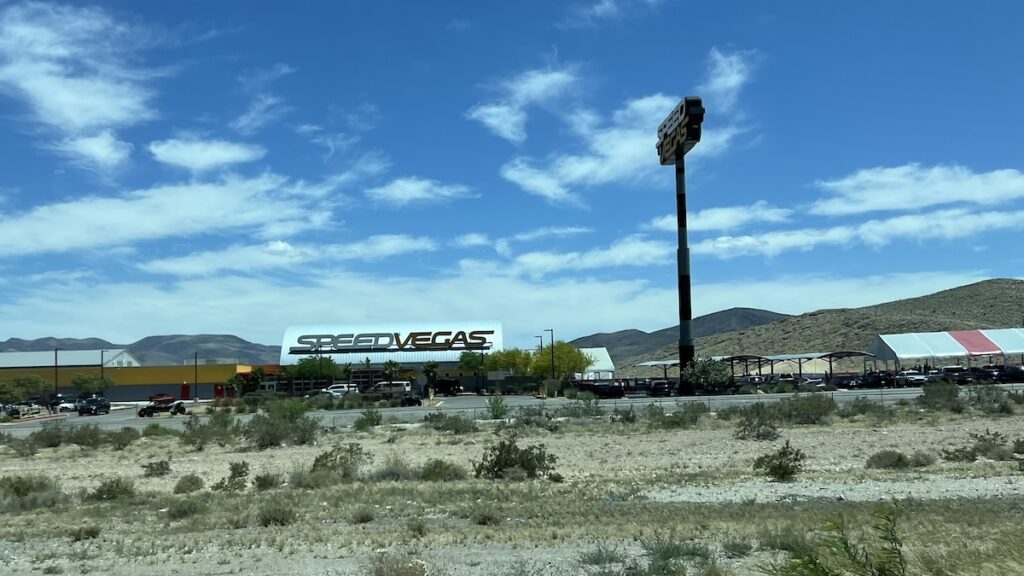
(37, 405)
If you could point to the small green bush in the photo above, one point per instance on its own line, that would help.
(941, 396)
(25, 485)
(276, 513)
(484, 516)
(84, 533)
(437, 470)
(921, 459)
(236, 480)
(363, 515)
(267, 481)
(734, 547)
(417, 527)
(113, 489)
(624, 415)
(813, 408)
(583, 407)
(506, 460)
(155, 430)
(188, 483)
(51, 435)
(343, 462)
(888, 460)
(497, 409)
(861, 406)
(369, 418)
(669, 556)
(23, 447)
(535, 416)
(395, 469)
(86, 436)
(452, 423)
(783, 464)
(601, 555)
(988, 444)
(156, 469)
(758, 422)
(181, 509)
(991, 400)
(395, 565)
(123, 438)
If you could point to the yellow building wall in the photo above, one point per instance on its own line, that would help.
(136, 375)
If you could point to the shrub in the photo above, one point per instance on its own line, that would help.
(497, 409)
(51, 435)
(285, 421)
(395, 469)
(626, 416)
(601, 555)
(535, 416)
(812, 408)
(276, 513)
(484, 516)
(668, 556)
(84, 533)
(861, 406)
(437, 470)
(757, 423)
(188, 483)
(369, 418)
(267, 481)
(113, 489)
(452, 423)
(888, 460)
(734, 547)
(839, 553)
(584, 407)
(393, 565)
(26, 485)
(196, 435)
(181, 509)
(342, 462)
(506, 460)
(86, 435)
(941, 396)
(417, 527)
(155, 430)
(123, 438)
(363, 515)
(1018, 446)
(783, 464)
(156, 469)
(236, 480)
(921, 459)
(991, 400)
(988, 444)
(24, 447)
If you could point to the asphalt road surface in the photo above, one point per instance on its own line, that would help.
(466, 405)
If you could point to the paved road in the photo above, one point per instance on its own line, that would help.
(470, 406)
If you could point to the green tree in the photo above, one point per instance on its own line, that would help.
(568, 361)
(346, 372)
(708, 374)
(21, 387)
(235, 383)
(257, 375)
(514, 360)
(88, 384)
(311, 367)
(390, 370)
(470, 361)
(430, 372)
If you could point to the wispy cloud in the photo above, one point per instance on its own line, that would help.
(200, 155)
(68, 66)
(630, 251)
(912, 187)
(281, 254)
(258, 79)
(724, 218)
(506, 117)
(414, 190)
(471, 240)
(728, 73)
(263, 110)
(595, 12)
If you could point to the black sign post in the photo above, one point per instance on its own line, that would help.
(677, 135)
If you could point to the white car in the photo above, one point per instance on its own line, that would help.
(324, 392)
(396, 387)
(911, 378)
(342, 389)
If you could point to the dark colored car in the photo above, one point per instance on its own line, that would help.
(979, 374)
(93, 406)
(661, 388)
(600, 389)
(1010, 375)
(447, 387)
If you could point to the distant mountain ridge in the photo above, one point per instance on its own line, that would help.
(629, 343)
(171, 350)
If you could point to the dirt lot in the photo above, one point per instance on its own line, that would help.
(625, 485)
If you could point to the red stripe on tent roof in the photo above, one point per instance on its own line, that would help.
(976, 343)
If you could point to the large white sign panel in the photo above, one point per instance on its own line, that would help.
(408, 342)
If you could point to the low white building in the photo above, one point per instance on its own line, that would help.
(602, 369)
(114, 358)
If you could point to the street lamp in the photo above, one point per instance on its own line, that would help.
(102, 352)
(552, 331)
(55, 392)
(195, 375)
(677, 135)
(540, 340)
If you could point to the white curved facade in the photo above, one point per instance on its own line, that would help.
(403, 342)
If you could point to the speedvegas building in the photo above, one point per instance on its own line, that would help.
(410, 344)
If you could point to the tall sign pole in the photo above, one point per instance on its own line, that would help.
(677, 135)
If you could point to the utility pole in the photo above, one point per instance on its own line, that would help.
(552, 331)
(195, 374)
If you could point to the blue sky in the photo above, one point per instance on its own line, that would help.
(237, 167)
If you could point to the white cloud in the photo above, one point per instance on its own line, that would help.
(164, 211)
(364, 117)
(727, 74)
(308, 128)
(281, 254)
(507, 116)
(913, 186)
(595, 12)
(201, 155)
(471, 240)
(333, 143)
(549, 231)
(414, 190)
(938, 225)
(263, 110)
(257, 80)
(102, 151)
(68, 65)
(724, 218)
(621, 149)
(629, 251)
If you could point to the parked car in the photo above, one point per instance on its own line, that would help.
(911, 378)
(25, 408)
(333, 394)
(342, 389)
(882, 379)
(661, 388)
(94, 406)
(983, 373)
(600, 389)
(159, 403)
(1010, 374)
(957, 374)
(844, 381)
(62, 403)
(447, 387)
(395, 387)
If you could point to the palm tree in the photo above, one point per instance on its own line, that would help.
(346, 372)
(390, 368)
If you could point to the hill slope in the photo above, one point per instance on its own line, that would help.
(161, 350)
(989, 304)
(629, 343)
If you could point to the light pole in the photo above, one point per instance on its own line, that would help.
(102, 352)
(540, 340)
(55, 350)
(195, 374)
(552, 331)
(677, 135)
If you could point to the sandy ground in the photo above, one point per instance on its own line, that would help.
(705, 464)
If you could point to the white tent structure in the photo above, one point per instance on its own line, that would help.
(957, 344)
(602, 369)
